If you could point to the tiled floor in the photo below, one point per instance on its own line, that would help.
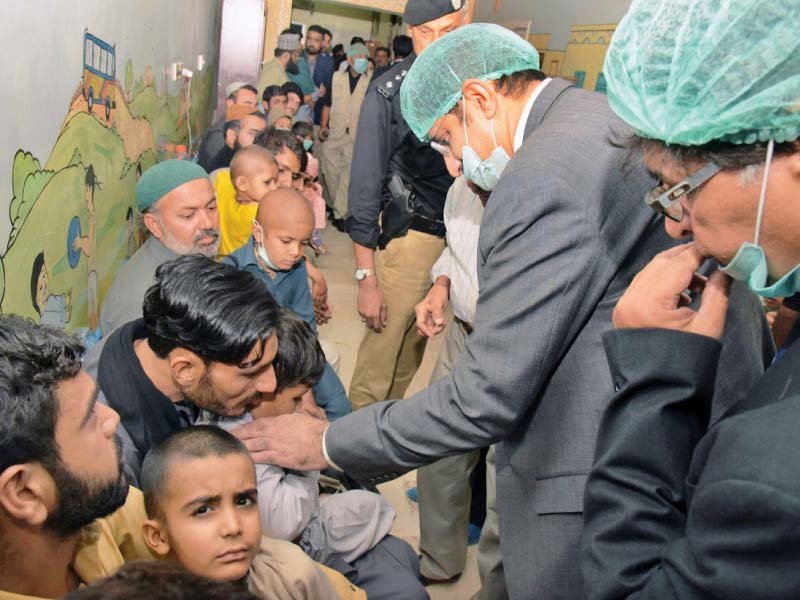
(345, 331)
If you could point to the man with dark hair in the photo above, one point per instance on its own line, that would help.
(242, 124)
(179, 209)
(274, 96)
(160, 580)
(206, 341)
(383, 57)
(295, 103)
(237, 92)
(339, 55)
(60, 469)
(275, 71)
(289, 153)
(327, 38)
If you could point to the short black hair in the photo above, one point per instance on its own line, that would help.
(517, 83)
(34, 360)
(213, 309)
(271, 91)
(402, 46)
(280, 52)
(316, 29)
(276, 140)
(160, 580)
(337, 48)
(302, 129)
(248, 87)
(357, 39)
(36, 272)
(385, 50)
(199, 441)
(327, 32)
(290, 87)
(300, 359)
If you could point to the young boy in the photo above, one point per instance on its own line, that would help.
(253, 173)
(349, 531)
(275, 253)
(201, 499)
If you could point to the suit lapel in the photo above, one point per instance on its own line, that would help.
(542, 104)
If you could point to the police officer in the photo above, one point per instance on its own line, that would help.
(397, 192)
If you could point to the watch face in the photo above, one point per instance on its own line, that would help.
(360, 274)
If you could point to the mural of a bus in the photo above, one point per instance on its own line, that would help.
(99, 69)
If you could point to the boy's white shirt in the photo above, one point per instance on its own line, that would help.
(288, 501)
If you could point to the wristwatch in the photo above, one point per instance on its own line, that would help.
(362, 274)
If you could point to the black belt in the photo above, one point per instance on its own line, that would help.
(467, 326)
(426, 225)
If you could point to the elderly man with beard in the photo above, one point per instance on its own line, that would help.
(206, 341)
(64, 518)
(179, 209)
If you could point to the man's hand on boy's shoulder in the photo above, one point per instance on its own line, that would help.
(289, 441)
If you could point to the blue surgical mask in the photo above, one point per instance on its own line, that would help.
(360, 65)
(307, 144)
(750, 263)
(261, 251)
(483, 173)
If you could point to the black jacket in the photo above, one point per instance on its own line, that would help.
(678, 506)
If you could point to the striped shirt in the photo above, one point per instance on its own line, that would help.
(463, 212)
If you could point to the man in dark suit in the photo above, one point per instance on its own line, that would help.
(562, 235)
(692, 496)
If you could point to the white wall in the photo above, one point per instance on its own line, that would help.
(552, 16)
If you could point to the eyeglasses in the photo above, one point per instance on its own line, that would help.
(667, 200)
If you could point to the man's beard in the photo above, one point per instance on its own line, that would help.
(209, 250)
(81, 502)
(312, 51)
(206, 398)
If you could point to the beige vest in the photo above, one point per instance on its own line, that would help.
(345, 107)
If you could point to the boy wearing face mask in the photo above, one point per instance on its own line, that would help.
(275, 253)
(339, 123)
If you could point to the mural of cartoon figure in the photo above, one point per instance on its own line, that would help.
(88, 245)
(53, 309)
(133, 233)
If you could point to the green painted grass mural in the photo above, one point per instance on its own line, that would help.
(73, 216)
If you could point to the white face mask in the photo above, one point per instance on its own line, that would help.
(261, 250)
(483, 173)
(750, 263)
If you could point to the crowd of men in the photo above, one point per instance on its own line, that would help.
(603, 260)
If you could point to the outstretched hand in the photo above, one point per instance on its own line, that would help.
(657, 296)
(290, 441)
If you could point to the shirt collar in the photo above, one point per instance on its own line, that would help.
(519, 134)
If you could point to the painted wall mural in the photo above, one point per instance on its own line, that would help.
(73, 213)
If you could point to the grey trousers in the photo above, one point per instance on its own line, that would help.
(444, 502)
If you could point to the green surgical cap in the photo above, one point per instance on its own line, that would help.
(691, 71)
(357, 49)
(161, 179)
(478, 51)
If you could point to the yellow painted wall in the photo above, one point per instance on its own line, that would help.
(586, 51)
(552, 62)
(540, 41)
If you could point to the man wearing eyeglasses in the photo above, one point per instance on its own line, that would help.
(562, 236)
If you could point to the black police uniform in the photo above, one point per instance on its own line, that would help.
(385, 146)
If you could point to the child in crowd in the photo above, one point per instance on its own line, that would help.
(313, 189)
(253, 173)
(276, 255)
(201, 499)
(337, 530)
